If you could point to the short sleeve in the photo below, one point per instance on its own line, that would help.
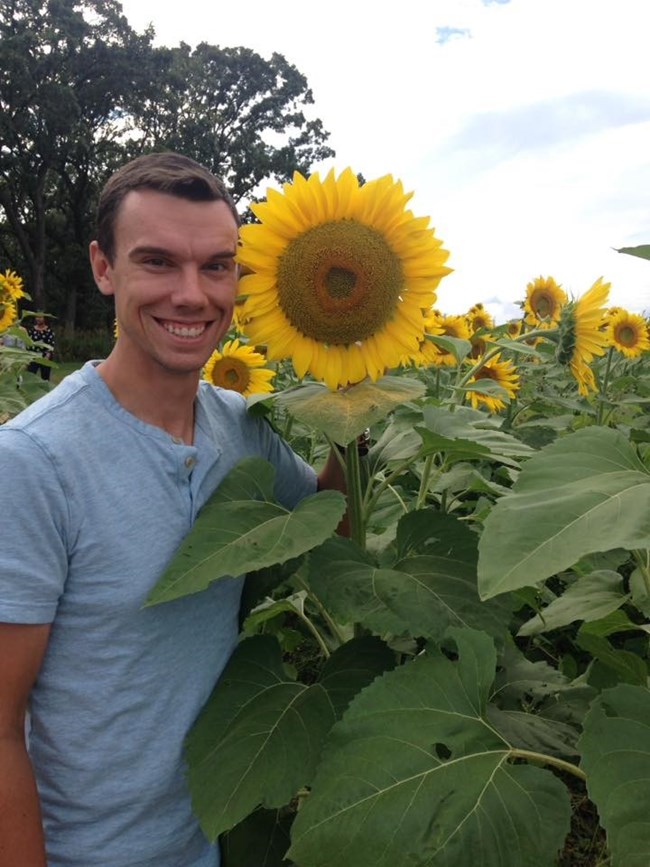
(33, 562)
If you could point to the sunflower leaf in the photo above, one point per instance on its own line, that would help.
(241, 529)
(583, 493)
(415, 774)
(643, 251)
(257, 740)
(615, 747)
(343, 415)
(590, 598)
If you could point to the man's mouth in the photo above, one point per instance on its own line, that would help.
(178, 329)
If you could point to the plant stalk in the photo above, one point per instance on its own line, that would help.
(542, 758)
(355, 502)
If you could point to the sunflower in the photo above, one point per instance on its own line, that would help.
(448, 326)
(12, 284)
(627, 332)
(341, 276)
(544, 302)
(501, 372)
(580, 334)
(513, 328)
(8, 309)
(478, 318)
(239, 368)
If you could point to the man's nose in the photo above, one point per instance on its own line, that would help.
(188, 290)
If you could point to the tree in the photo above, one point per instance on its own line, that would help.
(68, 70)
(234, 111)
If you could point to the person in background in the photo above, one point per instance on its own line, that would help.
(112, 467)
(41, 332)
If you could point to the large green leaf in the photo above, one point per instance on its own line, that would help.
(585, 492)
(414, 774)
(241, 529)
(589, 598)
(345, 414)
(615, 748)
(343, 577)
(257, 740)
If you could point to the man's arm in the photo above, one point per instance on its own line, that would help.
(332, 478)
(21, 833)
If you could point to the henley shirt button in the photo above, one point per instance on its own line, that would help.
(177, 441)
(189, 462)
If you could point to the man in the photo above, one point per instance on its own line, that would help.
(111, 468)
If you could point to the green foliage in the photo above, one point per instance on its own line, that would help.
(427, 778)
(586, 492)
(241, 529)
(615, 750)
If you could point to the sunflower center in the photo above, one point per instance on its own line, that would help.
(231, 373)
(339, 282)
(544, 306)
(626, 335)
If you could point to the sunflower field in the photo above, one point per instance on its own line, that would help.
(465, 678)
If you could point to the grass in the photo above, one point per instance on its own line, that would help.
(62, 369)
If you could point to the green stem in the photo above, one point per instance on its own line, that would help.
(602, 397)
(355, 502)
(543, 759)
(549, 334)
(372, 496)
(424, 481)
(642, 559)
(324, 613)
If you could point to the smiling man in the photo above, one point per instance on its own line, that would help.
(111, 468)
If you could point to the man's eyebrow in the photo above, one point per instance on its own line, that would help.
(163, 251)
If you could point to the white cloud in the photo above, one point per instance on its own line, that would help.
(553, 92)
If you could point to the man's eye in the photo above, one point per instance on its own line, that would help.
(217, 266)
(155, 262)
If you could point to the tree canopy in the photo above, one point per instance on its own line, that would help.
(81, 92)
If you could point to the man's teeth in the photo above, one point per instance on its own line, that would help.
(184, 330)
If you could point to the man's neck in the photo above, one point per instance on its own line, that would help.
(165, 401)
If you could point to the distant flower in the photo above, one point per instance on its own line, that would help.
(13, 284)
(513, 328)
(501, 372)
(544, 302)
(628, 333)
(448, 326)
(239, 368)
(581, 337)
(478, 318)
(342, 274)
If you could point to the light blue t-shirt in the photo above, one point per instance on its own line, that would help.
(94, 504)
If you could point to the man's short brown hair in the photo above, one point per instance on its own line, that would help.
(170, 173)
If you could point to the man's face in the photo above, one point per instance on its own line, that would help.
(173, 277)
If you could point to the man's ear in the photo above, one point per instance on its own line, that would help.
(101, 269)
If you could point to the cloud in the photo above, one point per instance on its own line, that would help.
(548, 123)
(446, 34)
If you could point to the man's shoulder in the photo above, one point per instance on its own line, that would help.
(58, 411)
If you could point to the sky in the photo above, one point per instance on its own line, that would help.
(522, 127)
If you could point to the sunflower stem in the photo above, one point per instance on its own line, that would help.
(602, 397)
(543, 759)
(642, 559)
(424, 481)
(355, 502)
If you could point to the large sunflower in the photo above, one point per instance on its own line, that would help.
(501, 372)
(239, 368)
(627, 332)
(342, 273)
(544, 302)
(581, 336)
